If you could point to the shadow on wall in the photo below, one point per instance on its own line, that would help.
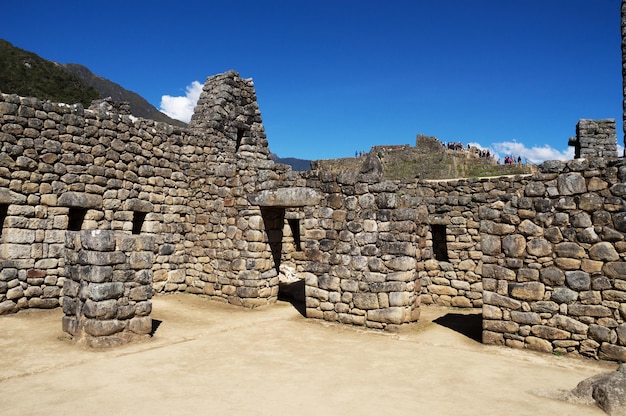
(470, 325)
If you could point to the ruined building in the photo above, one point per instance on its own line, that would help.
(99, 210)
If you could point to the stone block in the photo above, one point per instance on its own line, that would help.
(603, 251)
(103, 291)
(538, 344)
(527, 290)
(402, 263)
(365, 301)
(176, 276)
(490, 298)
(589, 310)
(98, 328)
(578, 280)
(393, 315)
(106, 309)
(525, 318)
(498, 272)
(98, 240)
(500, 326)
(140, 293)
(614, 295)
(612, 352)
(572, 183)
(568, 324)
(141, 325)
(548, 332)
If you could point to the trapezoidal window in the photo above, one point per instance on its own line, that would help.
(294, 224)
(76, 217)
(138, 219)
(239, 139)
(4, 208)
(440, 244)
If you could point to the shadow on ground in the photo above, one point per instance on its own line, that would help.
(294, 294)
(470, 325)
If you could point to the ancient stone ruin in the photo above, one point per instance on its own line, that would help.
(99, 210)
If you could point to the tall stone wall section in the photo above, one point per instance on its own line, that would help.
(63, 167)
(554, 269)
(363, 249)
(595, 138)
(107, 292)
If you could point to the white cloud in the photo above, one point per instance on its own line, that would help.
(536, 154)
(181, 108)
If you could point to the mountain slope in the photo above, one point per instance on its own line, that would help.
(138, 105)
(26, 74)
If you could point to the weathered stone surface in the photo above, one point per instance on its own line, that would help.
(571, 184)
(549, 333)
(568, 324)
(393, 315)
(564, 295)
(490, 298)
(607, 391)
(98, 240)
(513, 245)
(365, 301)
(491, 245)
(80, 200)
(578, 280)
(615, 270)
(589, 310)
(613, 352)
(286, 197)
(538, 344)
(500, 326)
(570, 250)
(528, 228)
(498, 272)
(98, 328)
(552, 276)
(141, 325)
(539, 247)
(603, 251)
(527, 290)
(106, 309)
(526, 318)
(104, 291)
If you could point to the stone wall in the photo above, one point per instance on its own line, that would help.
(108, 286)
(63, 167)
(225, 221)
(595, 138)
(363, 250)
(554, 270)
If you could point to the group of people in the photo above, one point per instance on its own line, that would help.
(511, 160)
(484, 153)
(454, 146)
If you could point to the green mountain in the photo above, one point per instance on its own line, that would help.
(27, 74)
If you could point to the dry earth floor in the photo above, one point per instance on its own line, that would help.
(214, 359)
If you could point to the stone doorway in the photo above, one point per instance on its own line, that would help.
(283, 236)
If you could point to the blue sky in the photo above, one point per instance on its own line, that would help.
(335, 77)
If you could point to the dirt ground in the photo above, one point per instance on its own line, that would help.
(210, 358)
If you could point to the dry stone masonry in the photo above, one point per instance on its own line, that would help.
(99, 210)
(106, 295)
(205, 210)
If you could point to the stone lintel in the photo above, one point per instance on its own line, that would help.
(286, 197)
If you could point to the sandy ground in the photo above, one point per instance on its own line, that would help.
(211, 358)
